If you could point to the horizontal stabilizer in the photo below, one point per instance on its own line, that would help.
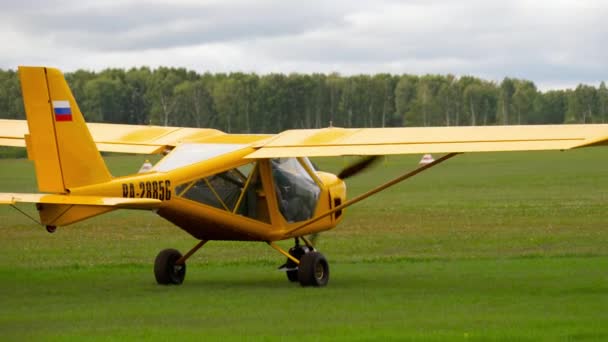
(116, 202)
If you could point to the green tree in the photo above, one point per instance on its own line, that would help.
(161, 95)
(405, 94)
(224, 96)
(447, 99)
(602, 94)
(245, 88)
(299, 101)
(104, 98)
(466, 113)
(240, 102)
(194, 103)
(137, 85)
(11, 102)
(582, 104)
(523, 100)
(335, 86)
(549, 108)
(506, 92)
(347, 99)
(426, 110)
(77, 81)
(271, 104)
(320, 101)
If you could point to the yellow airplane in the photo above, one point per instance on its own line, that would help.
(219, 186)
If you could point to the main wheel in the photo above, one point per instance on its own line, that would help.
(292, 268)
(165, 269)
(313, 270)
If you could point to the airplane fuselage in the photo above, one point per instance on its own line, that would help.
(227, 197)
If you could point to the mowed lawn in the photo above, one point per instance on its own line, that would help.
(501, 246)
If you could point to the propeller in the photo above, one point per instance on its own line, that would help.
(357, 167)
(347, 172)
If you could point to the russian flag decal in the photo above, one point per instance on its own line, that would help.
(63, 111)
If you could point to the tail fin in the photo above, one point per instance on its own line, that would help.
(59, 142)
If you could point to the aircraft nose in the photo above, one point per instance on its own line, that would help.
(338, 195)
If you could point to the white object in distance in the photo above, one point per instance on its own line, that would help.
(426, 159)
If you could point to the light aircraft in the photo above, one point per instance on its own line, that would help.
(219, 186)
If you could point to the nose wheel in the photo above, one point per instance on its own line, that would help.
(313, 270)
(290, 267)
(305, 264)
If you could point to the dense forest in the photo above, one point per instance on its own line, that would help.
(242, 102)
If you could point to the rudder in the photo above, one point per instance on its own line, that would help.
(59, 142)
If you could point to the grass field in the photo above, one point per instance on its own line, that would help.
(509, 246)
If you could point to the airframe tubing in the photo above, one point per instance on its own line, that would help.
(307, 242)
(198, 246)
(374, 191)
(280, 250)
(244, 189)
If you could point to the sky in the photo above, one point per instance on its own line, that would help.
(555, 43)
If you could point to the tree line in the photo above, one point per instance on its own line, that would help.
(250, 103)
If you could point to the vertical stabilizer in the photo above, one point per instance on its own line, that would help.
(59, 143)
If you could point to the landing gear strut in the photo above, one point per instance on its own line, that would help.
(290, 267)
(170, 265)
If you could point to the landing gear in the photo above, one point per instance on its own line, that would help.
(304, 264)
(311, 268)
(166, 269)
(170, 265)
(291, 268)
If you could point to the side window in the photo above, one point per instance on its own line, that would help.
(237, 190)
(221, 191)
(296, 191)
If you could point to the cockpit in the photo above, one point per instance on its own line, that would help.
(297, 193)
(244, 190)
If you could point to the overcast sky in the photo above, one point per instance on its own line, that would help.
(554, 43)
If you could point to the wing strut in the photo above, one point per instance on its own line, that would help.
(26, 214)
(373, 191)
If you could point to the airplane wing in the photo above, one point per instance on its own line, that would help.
(118, 202)
(335, 141)
(418, 140)
(139, 139)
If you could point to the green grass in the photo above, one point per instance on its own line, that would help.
(509, 246)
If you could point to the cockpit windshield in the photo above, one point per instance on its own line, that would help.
(297, 193)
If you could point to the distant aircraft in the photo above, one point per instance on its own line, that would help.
(219, 186)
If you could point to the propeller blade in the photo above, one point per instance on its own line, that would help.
(357, 167)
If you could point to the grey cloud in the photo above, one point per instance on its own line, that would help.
(494, 41)
(137, 26)
(548, 42)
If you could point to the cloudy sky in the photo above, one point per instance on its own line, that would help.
(554, 43)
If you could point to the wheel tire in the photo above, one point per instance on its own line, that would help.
(165, 270)
(313, 270)
(296, 252)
